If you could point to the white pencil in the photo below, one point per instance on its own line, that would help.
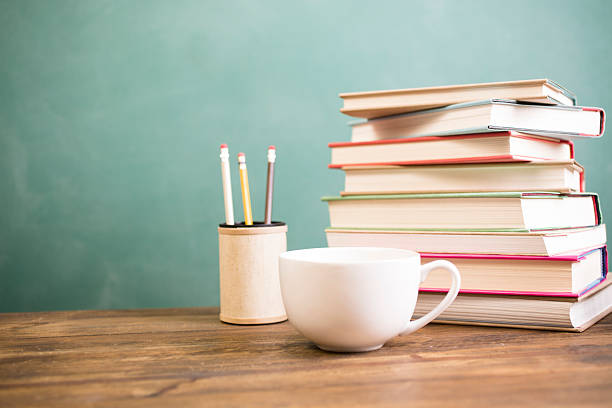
(227, 185)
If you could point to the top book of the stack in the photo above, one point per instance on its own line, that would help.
(377, 104)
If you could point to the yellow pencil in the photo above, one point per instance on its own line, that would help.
(246, 196)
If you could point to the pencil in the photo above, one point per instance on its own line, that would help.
(246, 196)
(270, 184)
(227, 185)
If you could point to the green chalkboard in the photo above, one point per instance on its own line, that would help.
(112, 112)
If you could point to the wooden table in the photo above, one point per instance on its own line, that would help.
(186, 357)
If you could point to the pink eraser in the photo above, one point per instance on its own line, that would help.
(240, 154)
(223, 146)
(271, 148)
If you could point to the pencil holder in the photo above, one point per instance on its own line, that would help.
(248, 272)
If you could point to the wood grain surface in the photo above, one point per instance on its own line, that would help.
(187, 358)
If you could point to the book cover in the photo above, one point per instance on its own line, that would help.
(413, 212)
(471, 134)
(564, 176)
(595, 285)
(485, 116)
(374, 104)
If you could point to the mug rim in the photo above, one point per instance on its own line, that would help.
(400, 255)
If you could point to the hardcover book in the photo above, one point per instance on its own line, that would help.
(562, 122)
(560, 275)
(563, 177)
(475, 148)
(566, 313)
(511, 211)
(384, 103)
(542, 243)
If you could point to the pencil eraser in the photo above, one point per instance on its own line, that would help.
(271, 148)
(223, 146)
(240, 154)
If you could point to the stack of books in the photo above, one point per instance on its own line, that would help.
(484, 176)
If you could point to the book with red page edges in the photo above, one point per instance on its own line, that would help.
(507, 146)
(568, 275)
(573, 311)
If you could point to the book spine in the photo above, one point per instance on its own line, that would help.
(581, 176)
(597, 208)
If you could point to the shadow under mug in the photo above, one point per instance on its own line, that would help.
(355, 299)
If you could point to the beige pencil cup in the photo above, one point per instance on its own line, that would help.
(248, 272)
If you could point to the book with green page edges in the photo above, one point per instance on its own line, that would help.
(503, 242)
(487, 211)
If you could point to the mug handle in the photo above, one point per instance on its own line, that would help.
(446, 302)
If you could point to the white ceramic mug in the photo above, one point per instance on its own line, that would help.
(356, 299)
